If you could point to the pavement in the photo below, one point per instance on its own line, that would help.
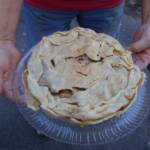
(17, 134)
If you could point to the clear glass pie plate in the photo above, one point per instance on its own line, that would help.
(108, 131)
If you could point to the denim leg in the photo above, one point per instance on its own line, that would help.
(39, 23)
(103, 20)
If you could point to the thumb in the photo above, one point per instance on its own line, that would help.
(139, 62)
(139, 45)
(16, 57)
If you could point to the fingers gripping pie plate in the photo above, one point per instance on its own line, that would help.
(81, 76)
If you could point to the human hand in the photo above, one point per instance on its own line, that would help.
(141, 45)
(9, 58)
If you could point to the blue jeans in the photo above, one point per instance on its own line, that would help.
(40, 22)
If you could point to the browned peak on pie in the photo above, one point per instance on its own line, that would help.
(81, 76)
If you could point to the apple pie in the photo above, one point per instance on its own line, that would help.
(81, 76)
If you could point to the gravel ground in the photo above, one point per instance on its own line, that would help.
(16, 134)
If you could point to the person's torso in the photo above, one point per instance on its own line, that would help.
(74, 5)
